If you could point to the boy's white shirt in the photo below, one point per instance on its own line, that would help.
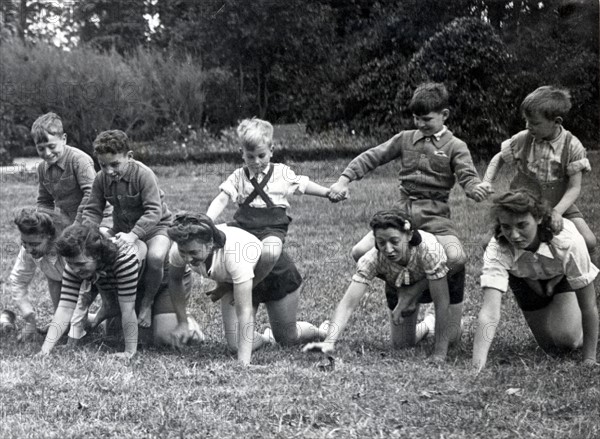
(283, 183)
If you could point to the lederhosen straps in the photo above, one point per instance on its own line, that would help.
(249, 217)
(551, 191)
(259, 187)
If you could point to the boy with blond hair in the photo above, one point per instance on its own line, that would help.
(261, 190)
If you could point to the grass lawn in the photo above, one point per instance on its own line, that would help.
(373, 391)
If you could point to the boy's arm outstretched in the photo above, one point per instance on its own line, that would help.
(568, 199)
(217, 205)
(493, 167)
(316, 189)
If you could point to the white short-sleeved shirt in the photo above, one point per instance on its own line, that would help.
(233, 263)
(427, 260)
(565, 255)
(283, 183)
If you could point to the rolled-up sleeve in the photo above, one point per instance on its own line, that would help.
(366, 268)
(578, 161)
(232, 184)
(21, 275)
(579, 269)
(294, 182)
(496, 263)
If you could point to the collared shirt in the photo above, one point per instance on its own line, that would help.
(565, 255)
(233, 263)
(120, 277)
(283, 183)
(425, 163)
(137, 200)
(427, 260)
(67, 183)
(23, 271)
(545, 156)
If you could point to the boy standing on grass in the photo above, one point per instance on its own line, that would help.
(550, 161)
(430, 160)
(67, 173)
(140, 212)
(261, 190)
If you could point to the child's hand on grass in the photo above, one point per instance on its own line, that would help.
(323, 347)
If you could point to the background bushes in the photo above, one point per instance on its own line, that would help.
(344, 65)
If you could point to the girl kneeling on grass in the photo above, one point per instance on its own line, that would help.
(229, 255)
(413, 265)
(551, 277)
(94, 262)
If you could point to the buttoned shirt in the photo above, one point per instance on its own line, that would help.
(566, 254)
(427, 260)
(67, 183)
(283, 183)
(137, 200)
(426, 164)
(545, 156)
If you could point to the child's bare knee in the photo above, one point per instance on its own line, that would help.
(357, 252)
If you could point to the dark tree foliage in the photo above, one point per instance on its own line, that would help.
(112, 24)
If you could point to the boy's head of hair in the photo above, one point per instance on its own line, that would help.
(255, 133)
(48, 124)
(428, 97)
(547, 101)
(111, 142)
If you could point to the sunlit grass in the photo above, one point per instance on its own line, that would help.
(373, 391)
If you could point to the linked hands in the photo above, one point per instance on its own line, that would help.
(339, 190)
(482, 191)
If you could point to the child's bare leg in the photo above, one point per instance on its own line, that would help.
(590, 239)
(558, 325)
(158, 247)
(364, 245)
(455, 252)
(271, 251)
(404, 334)
(231, 323)
(282, 316)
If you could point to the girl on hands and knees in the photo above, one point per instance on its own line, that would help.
(551, 276)
(229, 255)
(413, 265)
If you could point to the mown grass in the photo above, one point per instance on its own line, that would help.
(373, 391)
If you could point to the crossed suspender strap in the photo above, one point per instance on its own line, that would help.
(259, 188)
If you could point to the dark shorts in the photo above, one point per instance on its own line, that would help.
(279, 231)
(456, 290)
(528, 299)
(431, 216)
(281, 281)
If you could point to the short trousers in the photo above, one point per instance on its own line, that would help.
(529, 300)
(284, 279)
(278, 231)
(431, 216)
(456, 290)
